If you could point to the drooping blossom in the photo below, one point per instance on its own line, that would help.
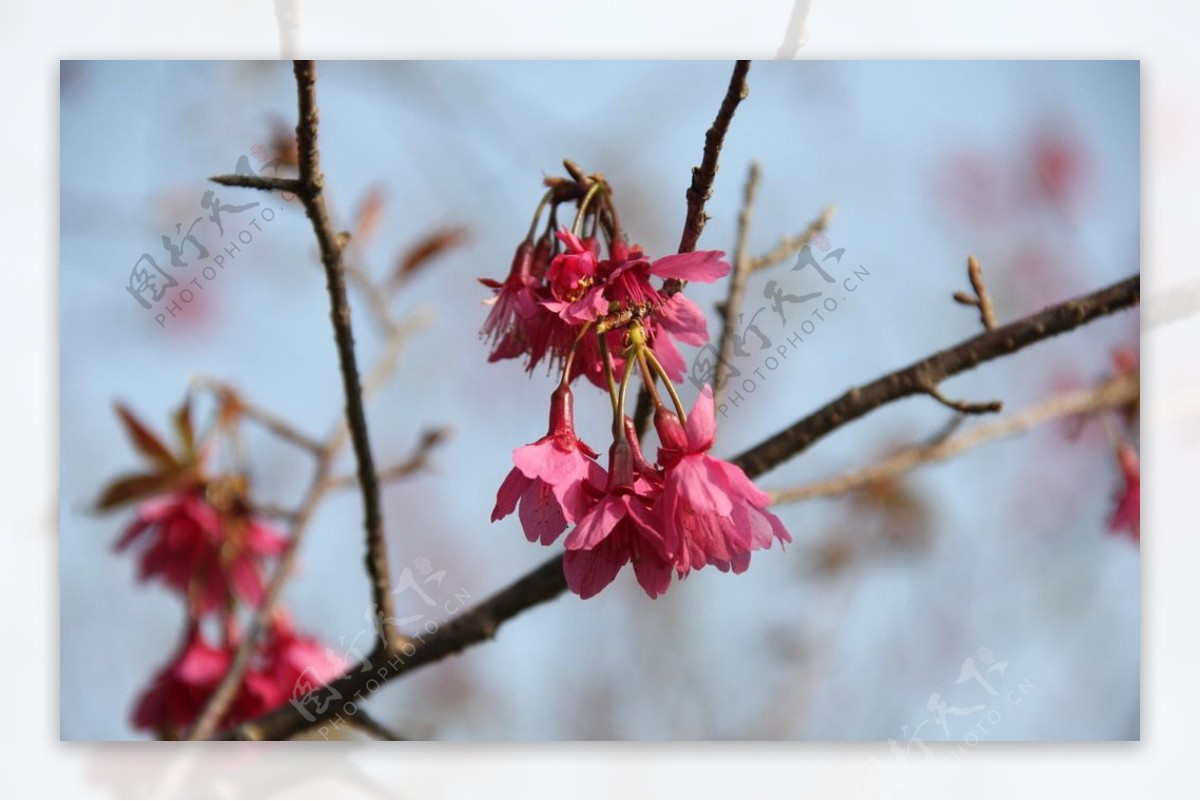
(622, 527)
(540, 308)
(284, 665)
(574, 295)
(296, 663)
(712, 514)
(514, 307)
(547, 481)
(179, 692)
(675, 317)
(206, 556)
(612, 319)
(1127, 516)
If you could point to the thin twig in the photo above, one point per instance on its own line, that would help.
(703, 176)
(377, 301)
(275, 512)
(417, 461)
(732, 307)
(226, 692)
(912, 380)
(477, 624)
(266, 183)
(965, 407)
(790, 245)
(547, 581)
(312, 195)
(981, 300)
(1113, 393)
(698, 193)
(309, 189)
(229, 397)
(231, 683)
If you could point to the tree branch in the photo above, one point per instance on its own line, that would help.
(703, 176)
(981, 300)
(1114, 393)
(792, 244)
(913, 379)
(741, 269)
(231, 683)
(228, 397)
(416, 462)
(473, 626)
(697, 195)
(265, 183)
(547, 581)
(311, 193)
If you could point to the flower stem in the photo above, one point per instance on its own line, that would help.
(648, 378)
(608, 371)
(593, 190)
(570, 360)
(619, 416)
(658, 368)
(537, 215)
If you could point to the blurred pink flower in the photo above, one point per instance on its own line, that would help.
(1059, 166)
(196, 552)
(178, 693)
(297, 663)
(1128, 514)
(285, 665)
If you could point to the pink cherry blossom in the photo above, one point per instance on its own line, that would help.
(548, 479)
(285, 665)
(514, 307)
(297, 663)
(712, 514)
(178, 693)
(573, 270)
(1128, 514)
(622, 527)
(197, 553)
(704, 266)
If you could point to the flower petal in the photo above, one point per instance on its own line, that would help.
(540, 514)
(668, 356)
(702, 423)
(684, 320)
(589, 572)
(653, 572)
(510, 492)
(705, 266)
(597, 524)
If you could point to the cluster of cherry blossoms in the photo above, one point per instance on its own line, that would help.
(197, 535)
(599, 313)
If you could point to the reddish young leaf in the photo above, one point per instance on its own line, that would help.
(424, 251)
(366, 218)
(144, 440)
(184, 428)
(136, 487)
